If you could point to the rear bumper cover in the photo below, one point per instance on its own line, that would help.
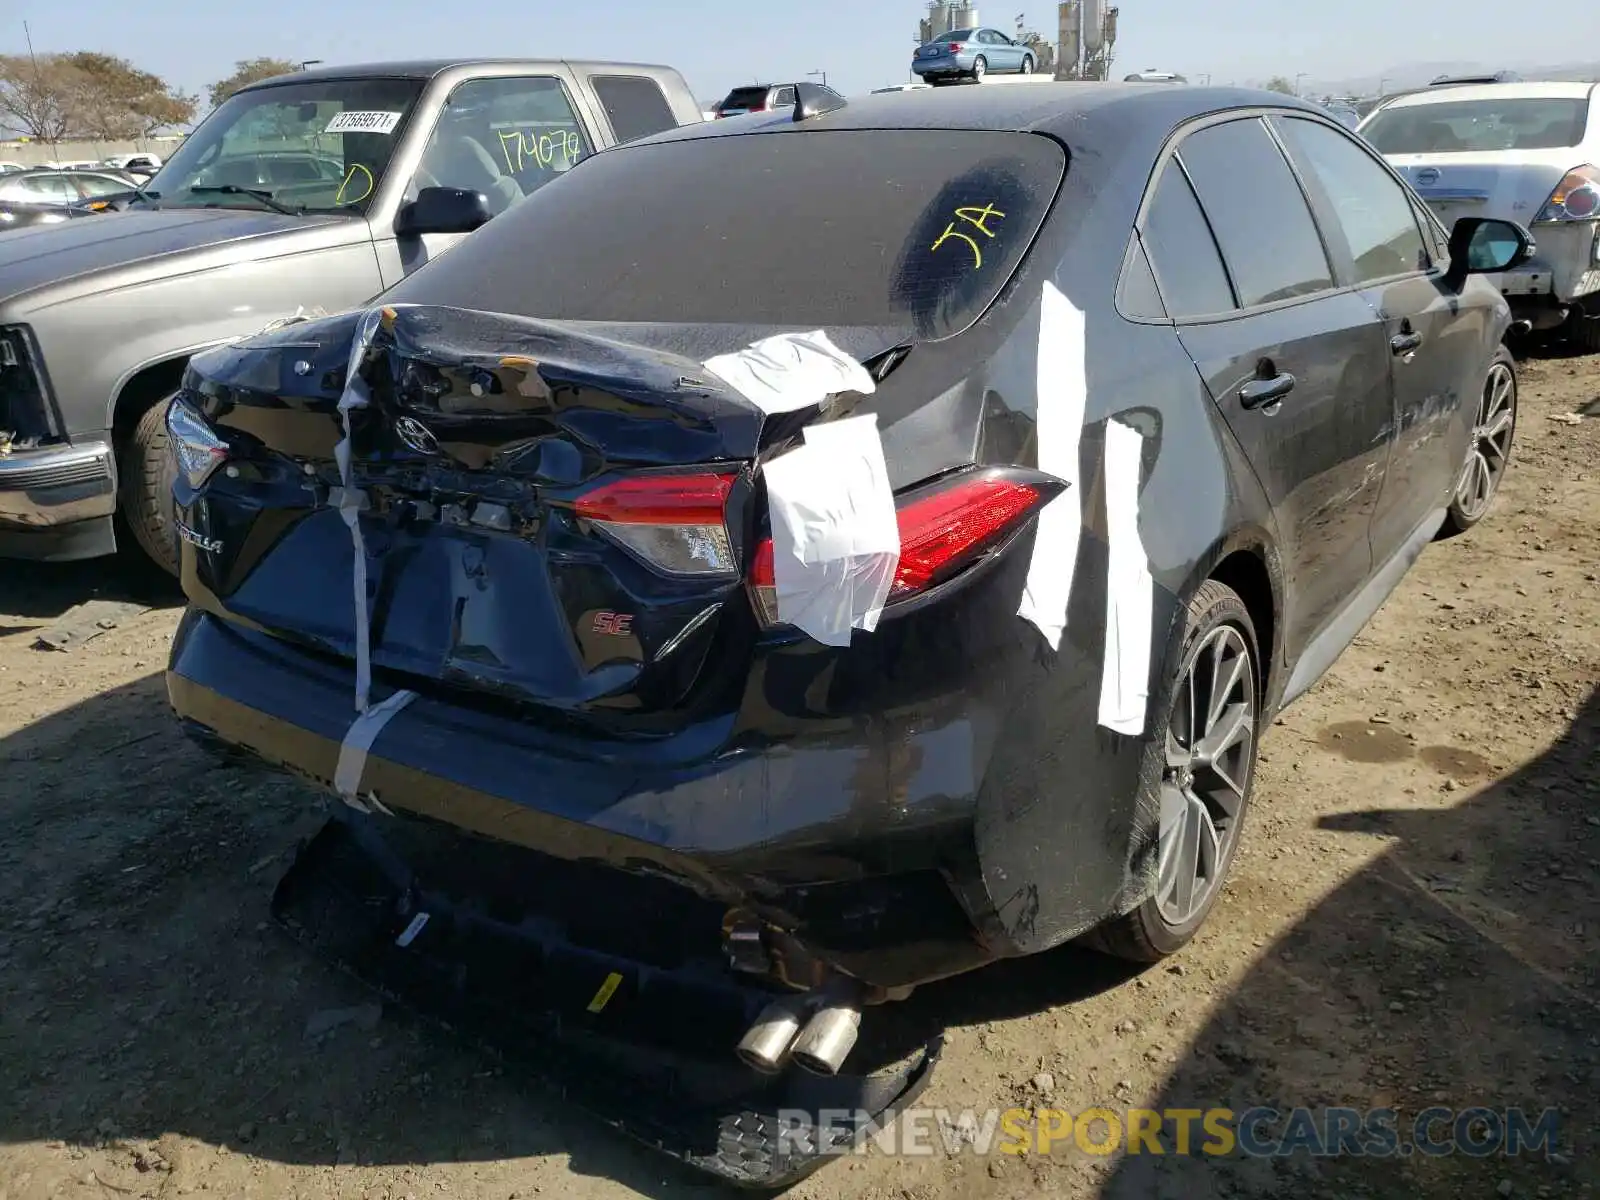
(786, 832)
(648, 1051)
(1565, 268)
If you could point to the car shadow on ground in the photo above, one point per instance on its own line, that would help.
(144, 995)
(1459, 970)
(32, 595)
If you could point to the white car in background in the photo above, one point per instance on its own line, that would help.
(1523, 152)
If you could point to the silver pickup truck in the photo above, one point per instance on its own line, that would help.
(311, 191)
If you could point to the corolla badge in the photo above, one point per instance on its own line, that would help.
(416, 435)
(195, 538)
(1426, 177)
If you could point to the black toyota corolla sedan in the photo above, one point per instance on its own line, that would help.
(882, 530)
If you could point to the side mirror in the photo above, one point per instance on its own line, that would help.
(1486, 246)
(442, 210)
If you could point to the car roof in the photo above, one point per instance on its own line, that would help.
(1447, 93)
(427, 68)
(1053, 108)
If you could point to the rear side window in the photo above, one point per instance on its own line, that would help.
(1371, 207)
(915, 230)
(635, 105)
(746, 97)
(1480, 126)
(1182, 252)
(1255, 205)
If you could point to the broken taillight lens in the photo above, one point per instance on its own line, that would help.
(1576, 198)
(675, 523)
(945, 528)
(198, 449)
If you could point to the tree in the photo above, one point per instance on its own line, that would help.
(87, 94)
(246, 72)
(1279, 84)
(116, 101)
(36, 97)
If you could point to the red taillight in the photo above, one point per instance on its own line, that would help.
(955, 47)
(1576, 198)
(942, 531)
(673, 522)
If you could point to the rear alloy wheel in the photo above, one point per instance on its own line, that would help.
(1209, 761)
(1027, 64)
(980, 67)
(1487, 457)
(147, 472)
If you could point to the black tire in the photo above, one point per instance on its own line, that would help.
(980, 67)
(1027, 64)
(146, 473)
(1145, 934)
(1584, 332)
(1463, 514)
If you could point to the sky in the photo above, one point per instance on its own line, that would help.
(718, 44)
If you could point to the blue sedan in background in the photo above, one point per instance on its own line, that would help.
(971, 52)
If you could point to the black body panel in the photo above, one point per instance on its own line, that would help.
(952, 752)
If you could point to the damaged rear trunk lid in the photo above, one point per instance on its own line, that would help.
(560, 498)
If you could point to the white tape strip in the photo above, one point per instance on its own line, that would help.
(1062, 390)
(352, 500)
(358, 739)
(835, 537)
(790, 371)
(1130, 590)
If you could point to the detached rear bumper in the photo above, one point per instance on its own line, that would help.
(647, 1049)
(848, 842)
(56, 502)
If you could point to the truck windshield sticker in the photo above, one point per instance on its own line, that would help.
(357, 186)
(363, 122)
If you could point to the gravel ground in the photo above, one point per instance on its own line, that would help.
(1413, 921)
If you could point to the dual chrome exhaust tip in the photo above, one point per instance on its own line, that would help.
(816, 1032)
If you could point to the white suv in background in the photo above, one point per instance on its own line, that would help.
(1524, 152)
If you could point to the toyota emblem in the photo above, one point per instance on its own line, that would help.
(1428, 176)
(417, 435)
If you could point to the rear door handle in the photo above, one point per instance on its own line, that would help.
(1405, 343)
(1259, 392)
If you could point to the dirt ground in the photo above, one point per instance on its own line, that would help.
(1414, 921)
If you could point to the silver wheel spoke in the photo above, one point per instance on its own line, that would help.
(1232, 727)
(1498, 423)
(1191, 730)
(1224, 678)
(1230, 796)
(1186, 868)
(1502, 389)
(1173, 807)
(1208, 844)
(1177, 754)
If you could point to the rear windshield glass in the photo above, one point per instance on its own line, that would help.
(1457, 126)
(752, 97)
(956, 35)
(910, 229)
